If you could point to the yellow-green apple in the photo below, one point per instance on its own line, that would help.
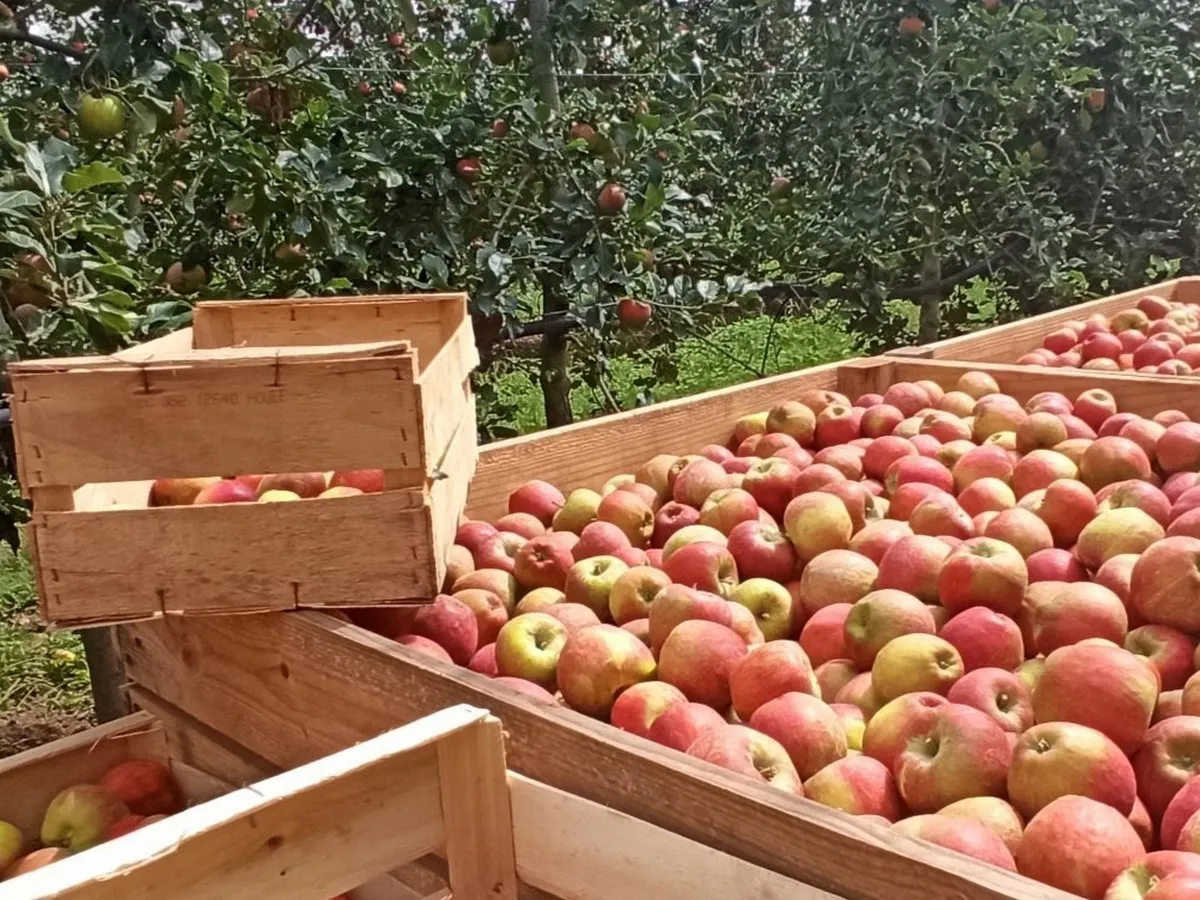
(591, 581)
(998, 693)
(1182, 808)
(578, 509)
(964, 836)
(794, 419)
(1169, 649)
(748, 752)
(879, 617)
(1099, 685)
(1021, 529)
(707, 566)
(1055, 564)
(11, 844)
(1040, 469)
(529, 647)
(1031, 672)
(983, 572)
(1078, 845)
(960, 752)
(960, 403)
(1163, 875)
(537, 498)
(177, 492)
(306, 484)
(835, 576)
(451, 624)
(884, 451)
(816, 522)
(1055, 759)
(994, 814)
(79, 815)
(1066, 507)
(1094, 406)
(1138, 495)
(823, 636)
(915, 662)
(699, 657)
(772, 483)
(726, 508)
(1058, 614)
(858, 785)
(861, 693)
(598, 539)
(1112, 459)
(226, 490)
(985, 639)
(670, 518)
(876, 538)
(1115, 532)
(761, 550)
(913, 565)
(1168, 758)
(769, 671)
(810, 732)
(854, 722)
(38, 859)
(1041, 431)
(637, 708)
(1169, 705)
(677, 603)
(891, 728)
(769, 602)
(573, 615)
(599, 662)
(1165, 584)
(630, 513)
(483, 662)
(697, 480)
(679, 725)
(634, 592)
(1178, 449)
(543, 562)
(459, 562)
(833, 675)
(538, 599)
(862, 506)
(880, 420)
(692, 534)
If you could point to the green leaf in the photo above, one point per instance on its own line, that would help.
(90, 176)
(35, 168)
(218, 75)
(118, 299)
(390, 177)
(113, 271)
(436, 267)
(6, 136)
(24, 241)
(10, 201)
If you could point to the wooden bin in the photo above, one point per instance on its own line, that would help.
(420, 813)
(291, 687)
(270, 386)
(1008, 343)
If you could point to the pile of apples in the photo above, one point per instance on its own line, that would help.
(279, 488)
(1156, 337)
(966, 619)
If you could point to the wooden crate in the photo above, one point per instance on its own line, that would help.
(424, 812)
(272, 681)
(253, 387)
(1008, 343)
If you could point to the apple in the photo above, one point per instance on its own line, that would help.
(891, 729)
(38, 859)
(833, 675)
(226, 490)
(960, 753)
(578, 510)
(939, 515)
(915, 662)
(858, 785)
(1170, 650)
(1168, 758)
(677, 603)
(177, 492)
(816, 522)
(767, 672)
(145, 786)
(1097, 840)
(1164, 875)
(1039, 469)
(992, 813)
(772, 484)
(1094, 406)
(78, 817)
(761, 550)
(591, 581)
(1164, 586)
(985, 639)
(860, 691)
(907, 397)
(692, 534)
(1178, 449)
(770, 603)
(998, 693)
(1054, 759)
(707, 566)
(597, 663)
(633, 593)
(1058, 614)
(483, 662)
(913, 564)
(983, 572)
(835, 576)
(529, 647)
(679, 725)
(793, 419)
(474, 535)
(964, 836)
(1101, 686)
(748, 752)
(369, 481)
(810, 732)
(699, 657)
(12, 841)
(878, 618)
(697, 480)
(1020, 529)
(637, 708)
(1055, 564)
(669, 519)
(543, 562)
(630, 513)
(1169, 705)
(1108, 460)
(1116, 532)
(451, 624)
(459, 562)
(305, 484)
(1066, 508)
(727, 508)
(823, 635)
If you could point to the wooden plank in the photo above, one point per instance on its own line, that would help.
(175, 342)
(272, 680)
(589, 453)
(444, 392)
(274, 414)
(307, 834)
(579, 850)
(448, 492)
(29, 780)
(242, 557)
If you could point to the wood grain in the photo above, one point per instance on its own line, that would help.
(272, 681)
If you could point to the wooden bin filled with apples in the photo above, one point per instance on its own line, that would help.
(291, 687)
(1153, 330)
(139, 465)
(424, 811)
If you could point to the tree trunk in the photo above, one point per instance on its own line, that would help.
(931, 275)
(555, 369)
(107, 673)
